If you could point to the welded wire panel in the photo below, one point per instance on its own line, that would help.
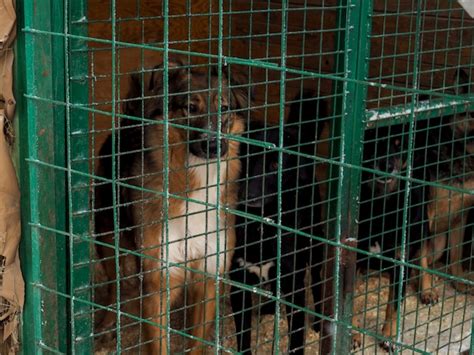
(265, 176)
(425, 47)
(193, 28)
(417, 44)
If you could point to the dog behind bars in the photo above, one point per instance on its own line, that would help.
(184, 229)
(256, 253)
(448, 144)
(382, 217)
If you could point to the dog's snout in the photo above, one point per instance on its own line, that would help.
(210, 146)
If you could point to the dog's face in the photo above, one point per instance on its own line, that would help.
(387, 155)
(259, 184)
(194, 103)
(199, 111)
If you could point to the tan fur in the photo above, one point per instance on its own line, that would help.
(389, 329)
(447, 213)
(201, 294)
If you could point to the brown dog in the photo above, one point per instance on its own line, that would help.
(185, 239)
(450, 162)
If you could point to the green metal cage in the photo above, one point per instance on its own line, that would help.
(389, 70)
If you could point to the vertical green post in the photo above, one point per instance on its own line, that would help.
(40, 76)
(77, 121)
(44, 65)
(281, 120)
(354, 24)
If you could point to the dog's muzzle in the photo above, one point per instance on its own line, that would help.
(211, 147)
(208, 147)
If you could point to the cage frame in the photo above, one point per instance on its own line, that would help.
(71, 96)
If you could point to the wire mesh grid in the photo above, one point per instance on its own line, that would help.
(264, 176)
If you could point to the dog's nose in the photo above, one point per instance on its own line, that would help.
(210, 147)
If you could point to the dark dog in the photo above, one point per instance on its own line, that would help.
(192, 235)
(255, 258)
(448, 144)
(381, 216)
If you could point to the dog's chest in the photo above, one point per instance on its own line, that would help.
(193, 234)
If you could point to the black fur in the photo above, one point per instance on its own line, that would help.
(257, 241)
(382, 206)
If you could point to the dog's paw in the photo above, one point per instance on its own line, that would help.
(356, 341)
(388, 346)
(463, 287)
(429, 297)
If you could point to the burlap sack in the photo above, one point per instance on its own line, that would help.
(7, 36)
(11, 280)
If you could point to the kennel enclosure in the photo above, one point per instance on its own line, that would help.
(373, 61)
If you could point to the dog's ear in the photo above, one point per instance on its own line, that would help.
(462, 84)
(241, 91)
(177, 71)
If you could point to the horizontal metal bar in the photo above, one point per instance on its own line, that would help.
(423, 110)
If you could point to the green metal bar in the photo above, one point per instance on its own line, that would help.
(77, 93)
(328, 338)
(166, 170)
(406, 202)
(29, 248)
(282, 86)
(113, 12)
(61, 245)
(359, 52)
(423, 110)
(349, 104)
(220, 63)
(39, 65)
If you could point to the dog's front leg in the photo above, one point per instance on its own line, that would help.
(154, 302)
(456, 236)
(202, 303)
(429, 295)
(389, 329)
(153, 309)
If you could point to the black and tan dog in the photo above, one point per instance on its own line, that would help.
(177, 227)
(257, 248)
(382, 216)
(448, 143)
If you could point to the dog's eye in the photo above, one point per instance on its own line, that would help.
(192, 108)
(224, 108)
